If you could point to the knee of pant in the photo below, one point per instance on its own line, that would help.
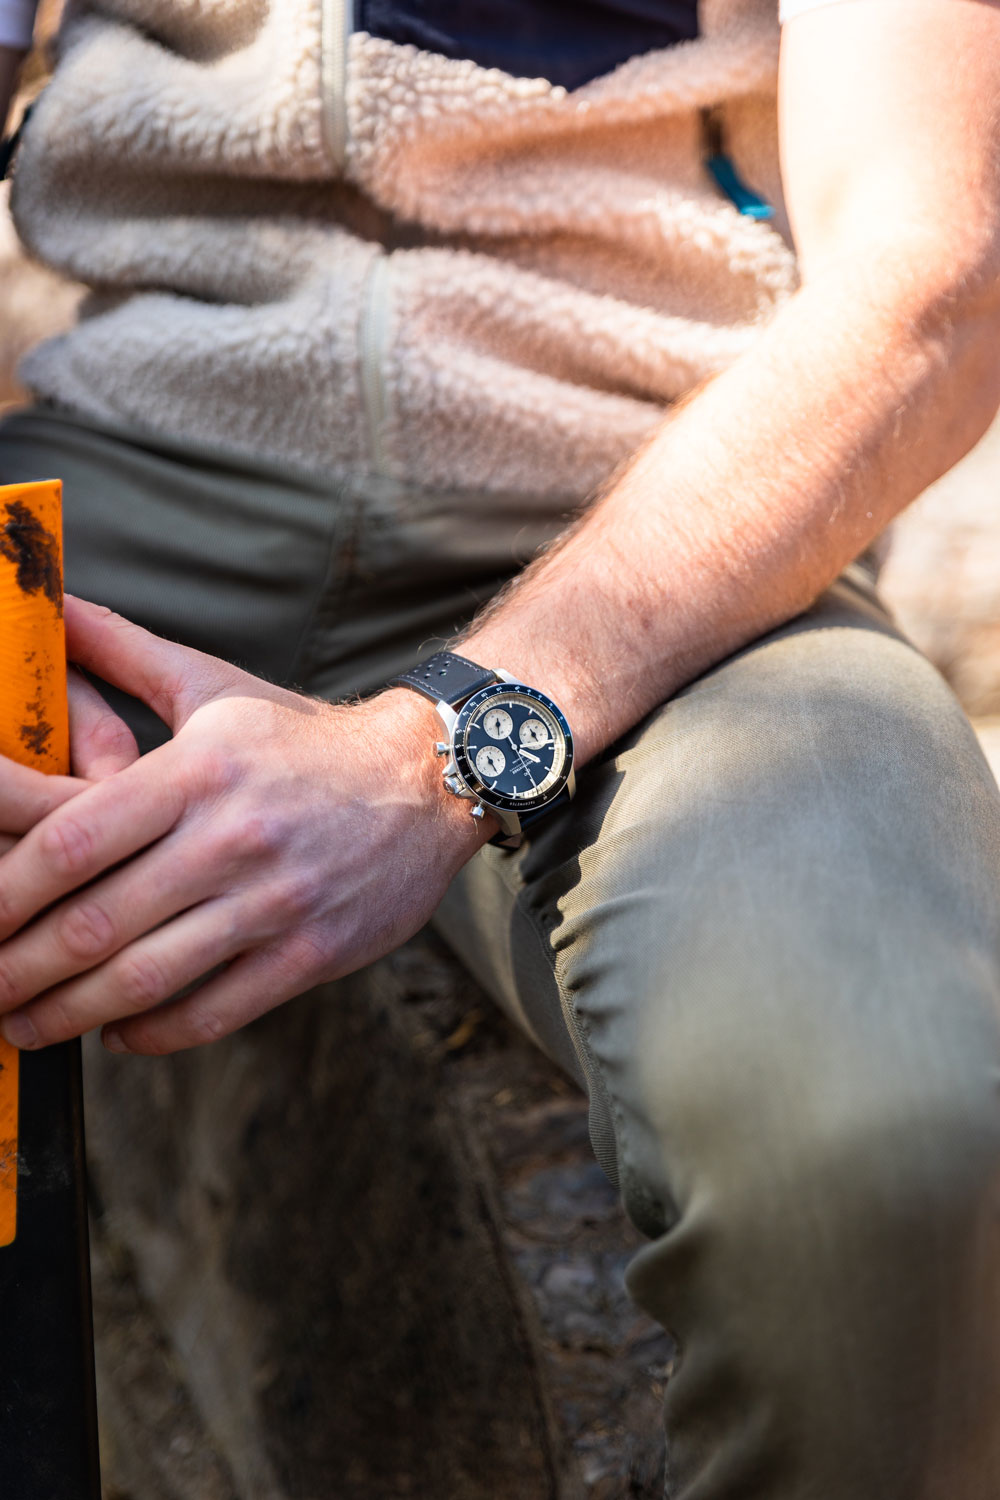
(861, 1058)
(870, 1164)
(874, 1207)
(851, 1089)
(897, 1162)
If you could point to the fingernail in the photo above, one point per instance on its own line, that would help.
(19, 1031)
(113, 1041)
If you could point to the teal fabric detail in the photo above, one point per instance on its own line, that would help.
(736, 190)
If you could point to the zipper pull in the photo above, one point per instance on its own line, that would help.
(727, 179)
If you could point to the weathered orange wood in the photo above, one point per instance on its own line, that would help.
(34, 725)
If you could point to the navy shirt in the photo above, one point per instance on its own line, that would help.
(566, 43)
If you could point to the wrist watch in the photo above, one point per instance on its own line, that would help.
(509, 746)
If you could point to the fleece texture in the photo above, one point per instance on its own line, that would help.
(357, 257)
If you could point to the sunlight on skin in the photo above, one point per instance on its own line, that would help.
(280, 836)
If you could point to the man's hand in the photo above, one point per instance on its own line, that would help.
(284, 839)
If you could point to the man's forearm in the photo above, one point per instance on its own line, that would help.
(750, 500)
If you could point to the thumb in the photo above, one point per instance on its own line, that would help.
(101, 743)
(173, 680)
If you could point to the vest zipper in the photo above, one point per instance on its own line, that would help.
(371, 340)
(336, 25)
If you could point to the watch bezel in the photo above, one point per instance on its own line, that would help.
(467, 771)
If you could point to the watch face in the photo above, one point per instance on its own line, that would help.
(513, 747)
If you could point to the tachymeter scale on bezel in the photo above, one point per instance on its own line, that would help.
(536, 748)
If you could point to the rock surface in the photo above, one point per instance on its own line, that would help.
(299, 1232)
(942, 576)
(364, 1250)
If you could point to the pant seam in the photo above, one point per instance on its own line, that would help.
(620, 1172)
(312, 625)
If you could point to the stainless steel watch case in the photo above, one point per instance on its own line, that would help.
(460, 775)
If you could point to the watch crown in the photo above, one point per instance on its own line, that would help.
(441, 748)
(454, 785)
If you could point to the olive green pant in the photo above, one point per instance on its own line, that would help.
(766, 937)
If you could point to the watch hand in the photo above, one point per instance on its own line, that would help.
(517, 752)
(527, 755)
(520, 763)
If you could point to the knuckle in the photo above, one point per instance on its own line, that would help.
(244, 838)
(260, 834)
(217, 846)
(53, 1021)
(306, 956)
(10, 992)
(213, 770)
(291, 901)
(140, 981)
(8, 909)
(67, 846)
(165, 693)
(230, 930)
(86, 930)
(112, 736)
(203, 1025)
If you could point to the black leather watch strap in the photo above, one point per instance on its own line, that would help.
(528, 819)
(446, 676)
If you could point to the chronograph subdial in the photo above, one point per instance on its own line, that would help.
(498, 723)
(491, 761)
(533, 734)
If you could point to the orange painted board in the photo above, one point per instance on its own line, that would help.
(34, 723)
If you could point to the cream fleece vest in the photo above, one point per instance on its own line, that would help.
(354, 256)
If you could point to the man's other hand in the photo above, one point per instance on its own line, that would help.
(273, 843)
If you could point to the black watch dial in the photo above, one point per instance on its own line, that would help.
(513, 747)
